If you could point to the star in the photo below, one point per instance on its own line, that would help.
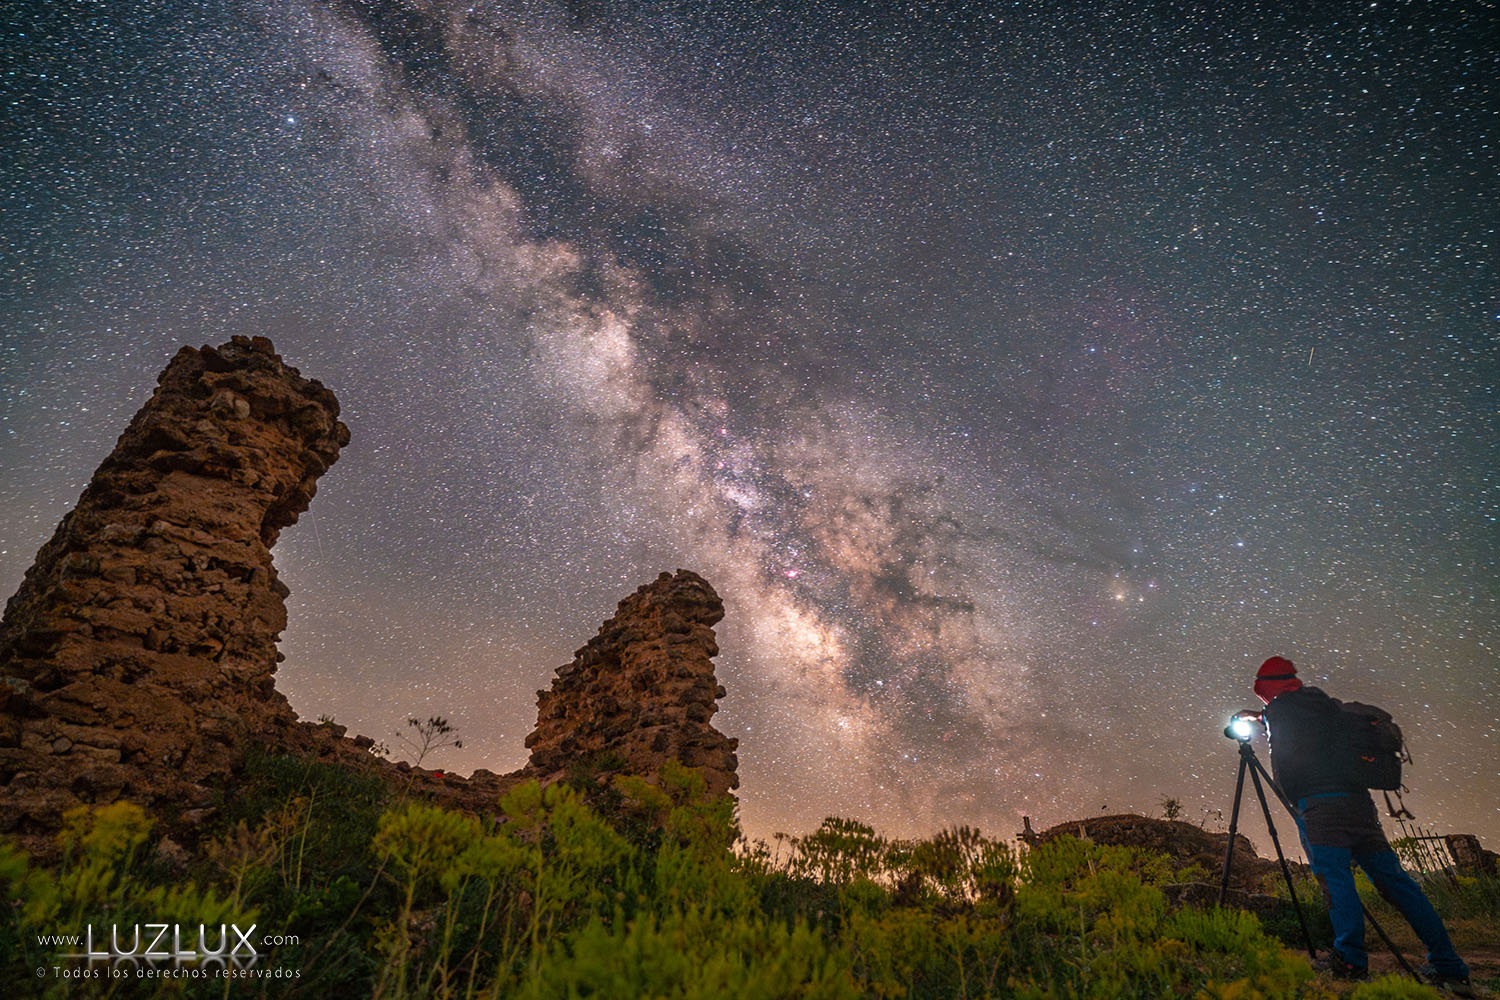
(937, 367)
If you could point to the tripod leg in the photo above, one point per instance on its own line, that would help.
(1286, 803)
(1234, 825)
(1389, 943)
(1260, 771)
(1286, 872)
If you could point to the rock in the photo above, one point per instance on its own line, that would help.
(1184, 845)
(173, 856)
(642, 691)
(1470, 855)
(138, 658)
(155, 607)
(197, 817)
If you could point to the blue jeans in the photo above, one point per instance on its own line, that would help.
(1332, 866)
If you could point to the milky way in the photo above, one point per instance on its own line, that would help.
(1020, 374)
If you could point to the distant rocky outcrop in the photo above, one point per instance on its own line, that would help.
(1185, 845)
(138, 658)
(140, 649)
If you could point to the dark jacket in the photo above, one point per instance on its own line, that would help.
(1301, 725)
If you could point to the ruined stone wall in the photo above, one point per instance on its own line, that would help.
(138, 658)
(1470, 856)
(141, 647)
(642, 691)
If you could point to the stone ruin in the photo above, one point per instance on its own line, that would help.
(1470, 856)
(642, 691)
(140, 650)
(138, 658)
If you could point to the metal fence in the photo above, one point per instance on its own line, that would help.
(1426, 852)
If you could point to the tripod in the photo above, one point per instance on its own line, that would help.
(1249, 762)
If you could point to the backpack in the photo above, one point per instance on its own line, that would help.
(1371, 749)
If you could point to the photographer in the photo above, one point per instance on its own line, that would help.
(1339, 826)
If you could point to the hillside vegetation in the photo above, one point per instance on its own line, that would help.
(647, 892)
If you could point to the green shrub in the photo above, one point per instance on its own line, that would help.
(645, 889)
(1394, 988)
(692, 954)
(99, 885)
(1465, 897)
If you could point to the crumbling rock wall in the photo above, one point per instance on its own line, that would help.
(141, 647)
(1470, 855)
(138, 658)
(642, 691)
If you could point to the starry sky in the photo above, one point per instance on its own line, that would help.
(1021, 374)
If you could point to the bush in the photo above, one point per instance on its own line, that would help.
(98, 887)
(1394, 988)
(1465, 897)
(652, 894)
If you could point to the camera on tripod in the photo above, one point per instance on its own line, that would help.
(1242, 726)
(1240, 729)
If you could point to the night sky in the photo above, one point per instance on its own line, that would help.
(1020, 374)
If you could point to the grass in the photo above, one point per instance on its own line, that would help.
(640, 890)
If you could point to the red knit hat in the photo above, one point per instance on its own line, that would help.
(1276, 676)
